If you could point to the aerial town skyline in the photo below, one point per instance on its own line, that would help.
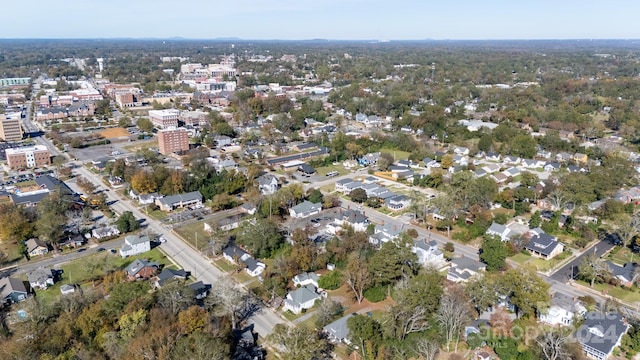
(336, 20)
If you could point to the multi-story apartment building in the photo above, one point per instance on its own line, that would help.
(164, 119)
(173, 140)
(10, 129)
(28, 157)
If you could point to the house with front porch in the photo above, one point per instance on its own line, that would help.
(463, 268)
(544, 246)
(36, 247)
(302, 299)
(428, 252)
(564, 310)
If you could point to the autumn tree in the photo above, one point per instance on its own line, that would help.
(85, 185)
(16, 224)
(143, 182)
(528, 292)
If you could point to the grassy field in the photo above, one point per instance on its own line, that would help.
(521, 258)
(397, 154)
(622, 255)
(224, 265)
(627, 295)
(188, 233)
(326, 169)
(81, 271)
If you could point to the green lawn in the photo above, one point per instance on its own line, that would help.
(542, 264)
(188, 233)
(398, 154)
(80, 271)
(224, 265)
(156, 214)
(521, 258)
(627, 295)
(242, 277)
(326, 169)
(291, 316)
(622, 255)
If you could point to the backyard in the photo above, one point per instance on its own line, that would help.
(82, 270)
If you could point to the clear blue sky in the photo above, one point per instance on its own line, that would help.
(327, 19)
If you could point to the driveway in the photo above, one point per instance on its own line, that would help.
(570, 271)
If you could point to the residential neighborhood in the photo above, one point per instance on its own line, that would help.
(239, 200)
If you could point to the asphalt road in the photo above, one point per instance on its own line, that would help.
(185, 256)
(570, 270)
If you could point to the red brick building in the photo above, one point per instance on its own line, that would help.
(173, 140)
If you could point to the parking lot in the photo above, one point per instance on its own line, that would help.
(187, 214)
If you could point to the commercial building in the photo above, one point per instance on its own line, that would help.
(10, 129)
(173, 140)
(28, 157)
(164, 118)
(15, 82)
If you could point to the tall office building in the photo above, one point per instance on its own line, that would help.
(173, 140)
(10, 128)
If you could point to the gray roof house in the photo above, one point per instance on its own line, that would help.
(428, 252)
(463, 268)
(563, 310)
(169, 203)
(302, 299)
(168, 275)
(385, 233)
(601, 333)
(305, 279)
(338, 331)
(544, 246)
(268, 184)
(501, 231)
(13, 290)
(305, 209)
(41, 278)
(626, 274)
(141, 269)
(397, 202)
(134, 245)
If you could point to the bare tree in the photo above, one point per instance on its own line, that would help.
(453, 314)
(427, 349)
(406, 320)
(593, 267)
(557, 198)
(357, 276)
(232, 301)
(553, 344)
(176, 296)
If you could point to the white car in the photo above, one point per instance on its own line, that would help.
(162, 239)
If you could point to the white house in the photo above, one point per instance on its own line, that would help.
(134, 245)
(235, 255)
(501, 231)
(461, 150)
(563, 310)
(340, 184)
(41, 278)
(105, 232)
(305, 209)
(463, 268)
(268, 184)
(356, 219)
(305, 279)
(428, 252)
(302, 299)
